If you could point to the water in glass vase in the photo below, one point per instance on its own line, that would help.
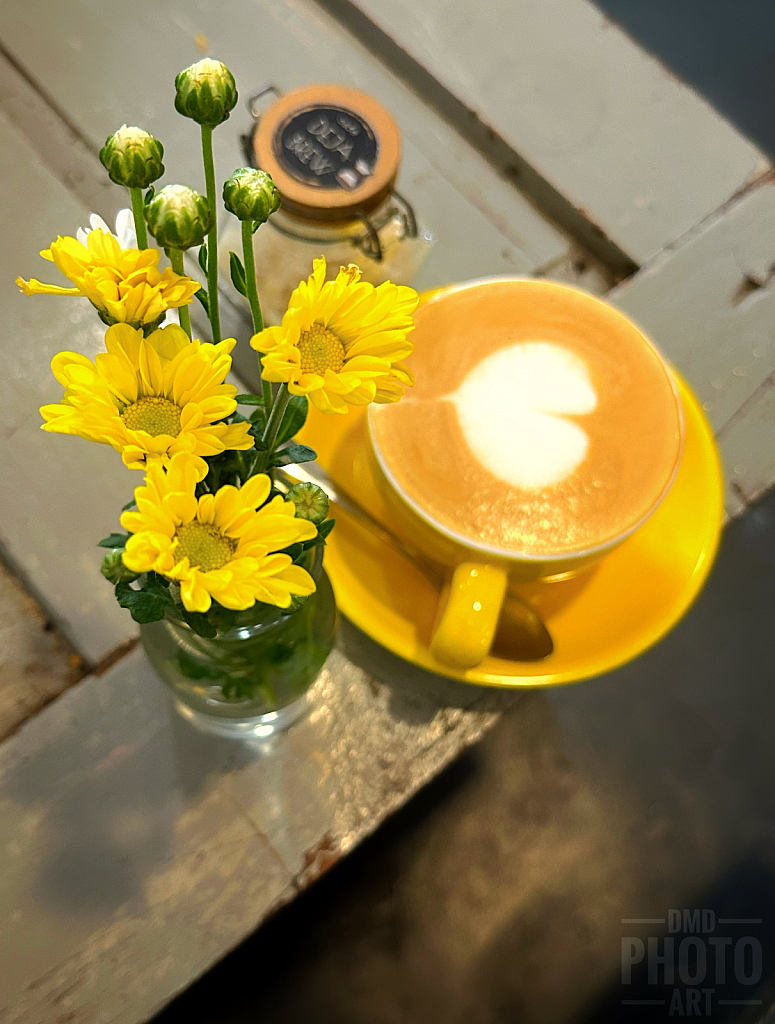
(251, 679)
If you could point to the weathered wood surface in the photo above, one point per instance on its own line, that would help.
(58, 495)
(637, 152)
(36, 661)
(709, 304)
(101, 909)
(56, 526)
(139, 851)
(747, 444)
(69, 49)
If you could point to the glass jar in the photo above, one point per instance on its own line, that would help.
(334, 154)
(252, 679)
(286, 245)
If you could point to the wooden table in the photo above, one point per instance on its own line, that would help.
(539, 140)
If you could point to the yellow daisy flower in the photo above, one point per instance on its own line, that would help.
(224, 545)
(125, 285)
(341, 342)
(149, 397)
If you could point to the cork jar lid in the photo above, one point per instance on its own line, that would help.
(332, 151)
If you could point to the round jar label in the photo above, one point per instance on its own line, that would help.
(327, 147)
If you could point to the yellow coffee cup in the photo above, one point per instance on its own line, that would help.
(585, 430)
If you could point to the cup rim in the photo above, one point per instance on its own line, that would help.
(509, 554)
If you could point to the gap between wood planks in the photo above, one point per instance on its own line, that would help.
(50, 672)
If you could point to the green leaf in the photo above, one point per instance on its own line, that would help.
(294, 454)
(258, 417)
(203, 257)
(201, 294)
(200, 624)
(293, 551)
(222, 618)
(252, 400)
(129, 504)
(238, 278)
(193, 669)
(294, 419)
(323, 531)
(145, 605)
(156, 582)
(115, 540)
(149, 194)
(256, 432)
(325, 528)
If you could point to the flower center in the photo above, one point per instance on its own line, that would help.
(154, 415)
(320, 350)
(204, 546)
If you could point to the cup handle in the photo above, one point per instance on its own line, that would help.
(467, 622)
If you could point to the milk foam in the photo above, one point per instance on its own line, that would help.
(511, 408)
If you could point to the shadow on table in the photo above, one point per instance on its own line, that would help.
(718, 956)
(417, 695)
(502, 899)
(108, 806)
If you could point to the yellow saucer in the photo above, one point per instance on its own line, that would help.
(598, 621)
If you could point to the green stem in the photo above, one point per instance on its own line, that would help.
(273, 426)
(176, 259)
(255, 305)
(250, 275)
(138, 210)
(212, 238)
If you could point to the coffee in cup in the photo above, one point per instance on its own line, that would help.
(543, 428)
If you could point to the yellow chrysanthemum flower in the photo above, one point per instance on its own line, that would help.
(216, 546)
(125, 285)
(341, 342)
(149, 397)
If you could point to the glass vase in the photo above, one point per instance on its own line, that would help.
(251, 679)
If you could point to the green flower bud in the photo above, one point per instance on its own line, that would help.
(113, 567)
(178, 217)
(251, 195)
(297, 600)
(310, 500)
(206, 92)
(132, 157)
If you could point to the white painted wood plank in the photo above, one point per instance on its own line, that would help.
(59, 146)
(58, 495)
(747, 445)
(639, 153)
(115, 62)
(696, 302)
(138, 852)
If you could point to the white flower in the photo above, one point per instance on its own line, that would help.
(124, 233)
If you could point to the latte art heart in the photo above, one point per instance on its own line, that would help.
(541, 422)
(512, 407)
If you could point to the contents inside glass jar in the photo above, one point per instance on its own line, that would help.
(387, 247)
